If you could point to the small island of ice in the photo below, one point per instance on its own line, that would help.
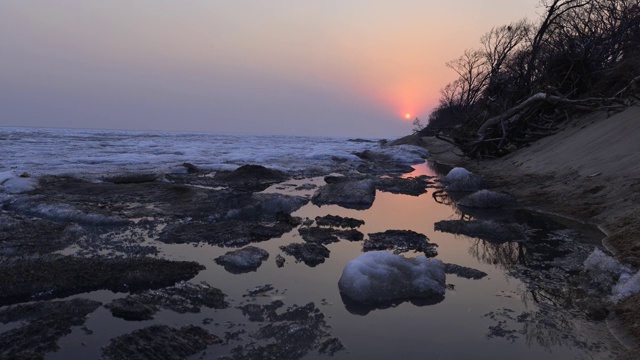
(381, 277)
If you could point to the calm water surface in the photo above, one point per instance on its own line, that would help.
(459, 327)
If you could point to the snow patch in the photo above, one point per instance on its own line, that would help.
(608, 273)
(379, 277)
(627, 285)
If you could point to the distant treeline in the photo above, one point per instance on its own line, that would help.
(527, 77)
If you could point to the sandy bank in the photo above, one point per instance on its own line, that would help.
(590, 171)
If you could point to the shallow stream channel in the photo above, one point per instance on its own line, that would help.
(515, 287)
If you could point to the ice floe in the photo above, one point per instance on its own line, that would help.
(379, 277)
(95, 153)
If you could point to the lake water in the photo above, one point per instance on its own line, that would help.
(521, 309)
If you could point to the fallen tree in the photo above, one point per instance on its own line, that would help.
(519, 126)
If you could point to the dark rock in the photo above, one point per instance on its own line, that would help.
(132, 309)
(262, 207)
(286, 218)
(338, 221)
(380, 163)
(400, 241)
(160, 342)
(484, 229)
(597, 313)
(26, 236)
(311, 254)
(331, 346)
(131, 178)
(288, 335)
(487, 199)
(279, 261)
(259, 290)
(358, 194)
(350, 235)
(191, 169)
(333, 179)
(60, 276)
(463, 271)
(405, 186)
(243, 260)
(43, 324)
(132, 200)
(328, 235)
(306, 187)
(362, 141)
(182, 298)
(252, 178)
(261, 313)
(225, 233)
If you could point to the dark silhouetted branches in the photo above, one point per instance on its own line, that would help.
(527, 78)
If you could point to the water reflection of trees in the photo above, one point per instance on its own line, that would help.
(544, 283)
(557, 292)
(547, 327)
(504, 255)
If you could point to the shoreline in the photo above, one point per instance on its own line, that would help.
(589, 172)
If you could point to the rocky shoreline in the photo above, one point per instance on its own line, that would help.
(64, 237)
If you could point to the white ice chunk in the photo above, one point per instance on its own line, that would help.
(379, 276)
(6, 175)
(12, 183)
(461, 179)
(457, 174)
(605, 271)
(627, 285)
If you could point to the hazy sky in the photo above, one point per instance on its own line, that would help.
(344, 68)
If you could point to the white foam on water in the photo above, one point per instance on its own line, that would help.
(98, 152)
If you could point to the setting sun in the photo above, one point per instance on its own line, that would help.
(407, 116)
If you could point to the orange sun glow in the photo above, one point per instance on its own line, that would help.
(407, 116)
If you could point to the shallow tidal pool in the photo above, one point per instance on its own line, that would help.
(522, 309)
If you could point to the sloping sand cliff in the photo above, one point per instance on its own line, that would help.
(589, 171)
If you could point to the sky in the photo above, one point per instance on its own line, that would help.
(324, 68)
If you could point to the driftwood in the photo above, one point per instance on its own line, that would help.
(590, 104)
